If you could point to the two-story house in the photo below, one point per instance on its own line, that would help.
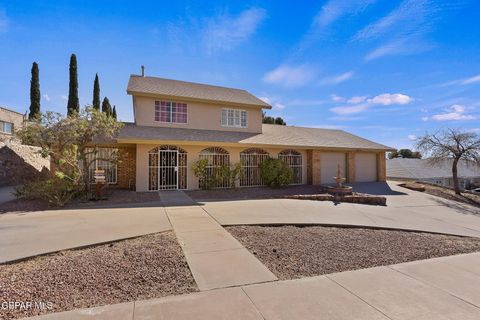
(177, 123)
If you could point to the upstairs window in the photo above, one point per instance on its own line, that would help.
(234, 118)
(6, 127)
(170, 112)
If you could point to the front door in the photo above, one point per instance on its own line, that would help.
(168, 170)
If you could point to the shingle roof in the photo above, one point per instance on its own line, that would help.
(274, 135)
(422, 169)
(190, 90)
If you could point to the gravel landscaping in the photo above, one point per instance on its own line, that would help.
(293, 252)
(147, 267)
(446, 193)
(115, 197)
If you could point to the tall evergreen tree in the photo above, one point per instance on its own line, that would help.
(114, 113)
(73, 105)
(96, 93)
(106, 107)
(34, 93)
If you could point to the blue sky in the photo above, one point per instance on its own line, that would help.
(385, 70)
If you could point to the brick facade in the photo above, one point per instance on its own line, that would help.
(350, 167)
(381, 167)
(126, 167)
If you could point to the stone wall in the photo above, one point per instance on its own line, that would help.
(20, 163)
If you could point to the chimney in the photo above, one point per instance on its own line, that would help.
(143, 71)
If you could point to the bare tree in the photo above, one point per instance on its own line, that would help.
(451, 144)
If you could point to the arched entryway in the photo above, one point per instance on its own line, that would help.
(216, 158)
(251, 160)
(293, 159)
(167, 168)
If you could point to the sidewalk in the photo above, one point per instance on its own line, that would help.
(441, 288)
(216, 258)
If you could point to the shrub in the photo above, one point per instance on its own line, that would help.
(276, 173)
(56, 190)
(222, 175)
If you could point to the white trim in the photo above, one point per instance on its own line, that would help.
(237, 115)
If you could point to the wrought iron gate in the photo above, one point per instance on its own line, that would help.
(168, 169)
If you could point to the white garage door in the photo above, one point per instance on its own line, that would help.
(365, 167)
(329, 162)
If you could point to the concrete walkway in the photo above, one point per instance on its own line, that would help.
(216, 258)
(29, 234)
(441, 288)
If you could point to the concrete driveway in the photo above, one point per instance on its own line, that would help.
(25, 235)
(405, 209)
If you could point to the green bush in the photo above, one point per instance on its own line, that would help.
(56, 190)
(275, 172)
(209, 178)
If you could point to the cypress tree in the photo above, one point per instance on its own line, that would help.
(96, 93)
(73, 105)
(106, 107)
(34, 93)
(114, 113)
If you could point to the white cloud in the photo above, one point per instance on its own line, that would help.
(290, 76)
(273, 102)
(387, 99)
(46, 97)
(357, 99)
(337, 79)
(412, 137)
(453, 113)
(335, 9)
(224, 32)
(306, 102)
(64, 97)
(410, 15)
(346, 110)
(336, 98)
(474, 79)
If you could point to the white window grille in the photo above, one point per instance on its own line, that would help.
(294, 160)
(251, 173)
(167, 168)
(102, 159)
(217, 158)
(236, 118)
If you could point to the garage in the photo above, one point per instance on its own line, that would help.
(365, 167)
(329, 162)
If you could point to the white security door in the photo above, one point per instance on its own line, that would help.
(168, 170)
(365, 167)
(329, 162)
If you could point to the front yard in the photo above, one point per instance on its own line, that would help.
(294, 252)
(147, 267)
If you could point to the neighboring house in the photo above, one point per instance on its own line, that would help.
(441, 174)
(177, 123)
(10, 121)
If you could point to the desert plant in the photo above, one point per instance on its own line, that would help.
(57, 190)
(231, 174)
(275, 172)
(200, 170)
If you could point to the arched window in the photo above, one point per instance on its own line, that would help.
(167, 168)
(294, 160)
(217, 159)
(251, 160)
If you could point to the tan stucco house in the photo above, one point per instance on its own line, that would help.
(176, 123)
(10, 121)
